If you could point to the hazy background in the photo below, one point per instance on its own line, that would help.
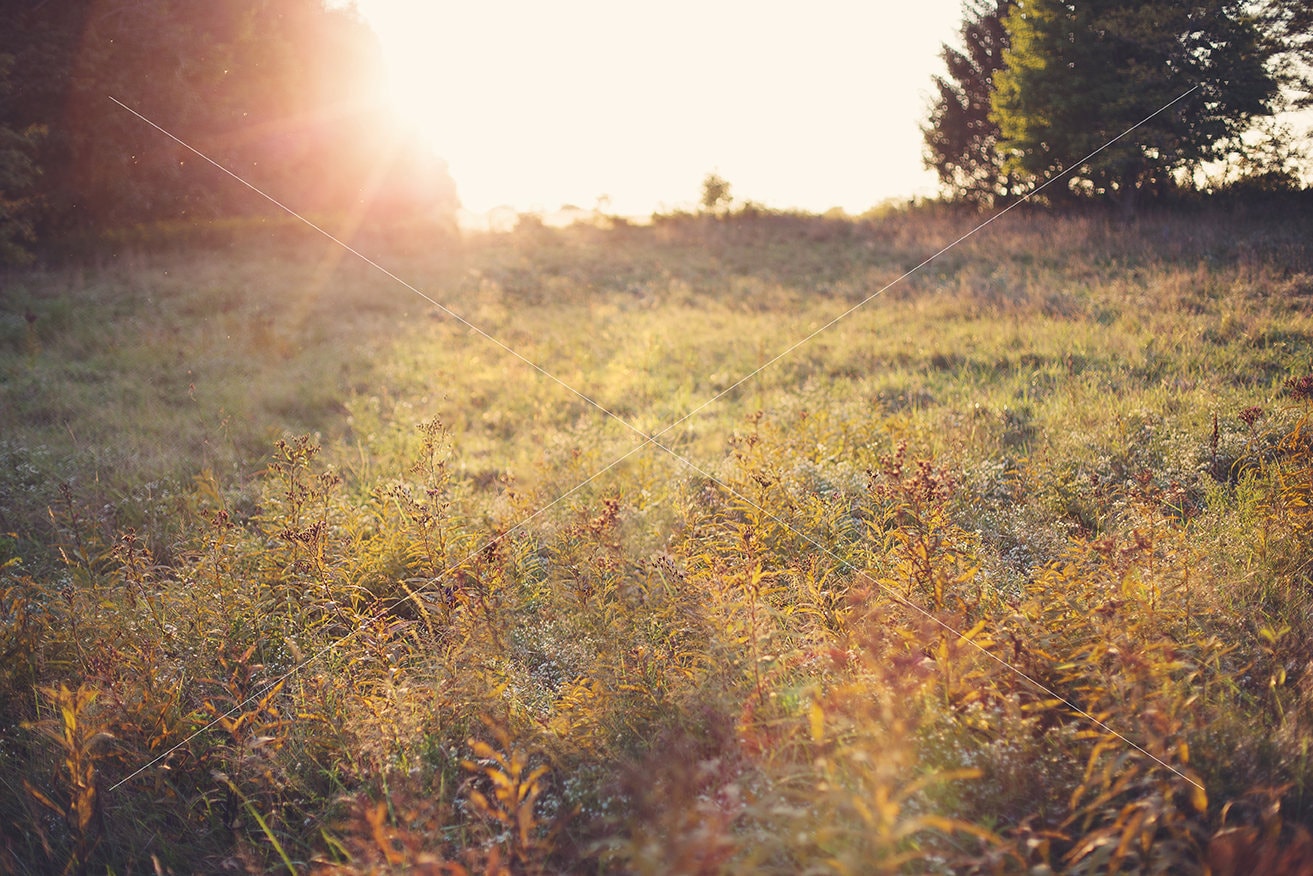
(536, 105)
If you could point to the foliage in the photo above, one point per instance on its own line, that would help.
(287, 94)
(1078, 76)
(18, 175)
(960, 136)
(1005, 572)
(716, 196)
(1291, 27)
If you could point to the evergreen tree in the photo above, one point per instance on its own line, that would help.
(1081, 72)
(960, 137)
(1290, 26)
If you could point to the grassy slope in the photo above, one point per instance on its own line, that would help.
(714, 675)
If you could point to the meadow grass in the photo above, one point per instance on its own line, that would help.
(337, 584)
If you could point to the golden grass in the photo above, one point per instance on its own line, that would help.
(1006, 571)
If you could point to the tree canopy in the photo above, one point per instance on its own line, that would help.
(1040, 85)
(287, 94)
(1292, 27)
(961, 138)
(716, 196)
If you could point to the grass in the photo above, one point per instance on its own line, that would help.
(300, 573)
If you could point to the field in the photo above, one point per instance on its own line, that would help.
(1003, 568)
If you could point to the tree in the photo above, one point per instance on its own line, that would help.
(287, 94)
(1290, 26)
(716, 196)
(36, 47)
(1078, 74)
(18, 176)
(960, 137)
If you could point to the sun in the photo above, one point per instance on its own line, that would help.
(463, 102)
(410, 88)
(539, 105)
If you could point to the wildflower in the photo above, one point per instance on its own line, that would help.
(1301, 387)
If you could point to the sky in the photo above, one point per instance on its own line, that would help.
(536, 105)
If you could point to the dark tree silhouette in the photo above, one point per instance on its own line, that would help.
(286, 93)
(18, 175)
(716, 196)
(1290, 26)
(960, 137)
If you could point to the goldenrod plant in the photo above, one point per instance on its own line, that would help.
(1007, 571)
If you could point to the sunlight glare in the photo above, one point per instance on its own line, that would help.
(538, 105)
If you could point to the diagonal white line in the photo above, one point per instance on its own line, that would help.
(364, 624)
(859, 305)
(650, 439)
(385, 272)
(938, 622)
(454, 315)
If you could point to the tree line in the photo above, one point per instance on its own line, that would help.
(1038, 88)
(287, 94)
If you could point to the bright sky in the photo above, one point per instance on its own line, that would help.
(537, 104)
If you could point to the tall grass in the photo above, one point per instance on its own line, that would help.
(1007, 571)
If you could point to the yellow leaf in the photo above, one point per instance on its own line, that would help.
(887, 808)
(1272, 636)
(376, 817)
(480, 802)
(816, 717)
(1130, 833)
(84, 807)
(533, 777)
(1198, 798)
(42, 798)
(500, 780)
